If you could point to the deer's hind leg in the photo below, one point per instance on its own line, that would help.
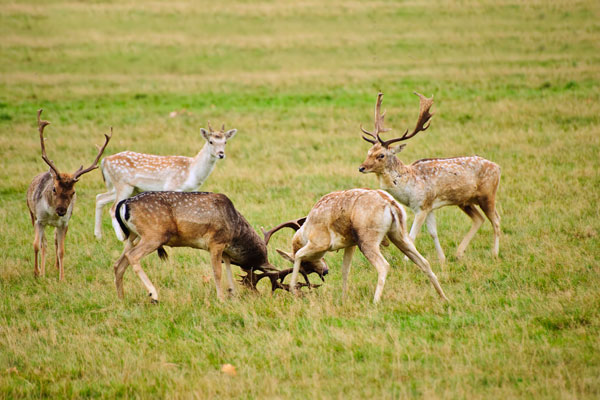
(406, 245)
(134, 255)
(477, 219)
(488, 205)
(432, 229)
(102, 199)
(121, 265)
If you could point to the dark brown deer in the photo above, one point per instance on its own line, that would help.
(429, 184)
(201, 220)
(50, 199)
(345, 220)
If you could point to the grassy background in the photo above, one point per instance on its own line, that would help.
(515, 82)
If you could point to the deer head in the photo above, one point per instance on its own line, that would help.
(216, 140)
(381, 155)
(63, 188)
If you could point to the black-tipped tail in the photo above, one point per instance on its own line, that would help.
(162, 253)
(119, 220)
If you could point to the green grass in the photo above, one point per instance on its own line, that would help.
(515, 82)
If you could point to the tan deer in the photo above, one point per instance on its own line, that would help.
(429, 184)
(50, 199)
(128, 172)
(201, 220)
(351, 218)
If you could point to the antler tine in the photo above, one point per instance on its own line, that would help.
(94, 165)
(210, 129)
(379, 116)
(223, 128)
(294, 224)
(368, 133)
(423, 121)
(41, 126)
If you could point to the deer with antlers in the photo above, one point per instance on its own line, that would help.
(50, 199)
(348, 219)
(201, 220)
(128, 172)
(429, 184)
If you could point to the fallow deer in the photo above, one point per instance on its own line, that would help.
(429, 184)
(202, 220)
(50, 199)
(128, 172)
(351, 218)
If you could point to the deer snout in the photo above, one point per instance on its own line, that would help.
(361, 169)
(221, 155)
(61, 211)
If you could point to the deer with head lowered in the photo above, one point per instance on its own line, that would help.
(429, 184)
(127, 172)
(50, 199)
(202, 220)
(348, 219)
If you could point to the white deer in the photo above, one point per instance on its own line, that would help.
(128, 172)
(429, 184)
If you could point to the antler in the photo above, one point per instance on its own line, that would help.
(424, 118)
(41, 126)
(294, 224)
(94, 165)
(378, 122)
(210, 129)
(276, 277)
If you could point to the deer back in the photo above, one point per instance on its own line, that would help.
(194, 219)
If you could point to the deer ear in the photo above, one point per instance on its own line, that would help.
(287, 256)
(205, 133)
(230, 133)
(398, 149)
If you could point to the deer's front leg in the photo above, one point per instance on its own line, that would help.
(38, 244)
(420, 217)
(59, 241)
(230, 282)
(216, 255)
(348, 252)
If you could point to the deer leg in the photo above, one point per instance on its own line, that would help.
(406, 245)
(101, 200)
(59, 238)
(139, 251)
(348, 253)
(38, 243)
(309, 250)
(432, 229)
(216, 255)
(121, 265)
(420, 217)
(230, 281)
(373, 254)
(489, 208)
(122, 193)
(477, 218)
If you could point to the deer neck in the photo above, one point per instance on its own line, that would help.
(201, 167)
(399, 180)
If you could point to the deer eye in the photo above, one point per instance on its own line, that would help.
(53, 190)
(210, 141)
(381, 156)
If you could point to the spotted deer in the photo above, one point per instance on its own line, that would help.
(429, 184)
(128, 172)
(348, 219)
(201, 220)
(50, 199)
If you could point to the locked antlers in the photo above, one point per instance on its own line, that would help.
(423, 121)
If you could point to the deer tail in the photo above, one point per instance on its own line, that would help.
(126, 216)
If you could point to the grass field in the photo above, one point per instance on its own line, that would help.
(515, 82)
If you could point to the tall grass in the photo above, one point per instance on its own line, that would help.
(514, 82)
